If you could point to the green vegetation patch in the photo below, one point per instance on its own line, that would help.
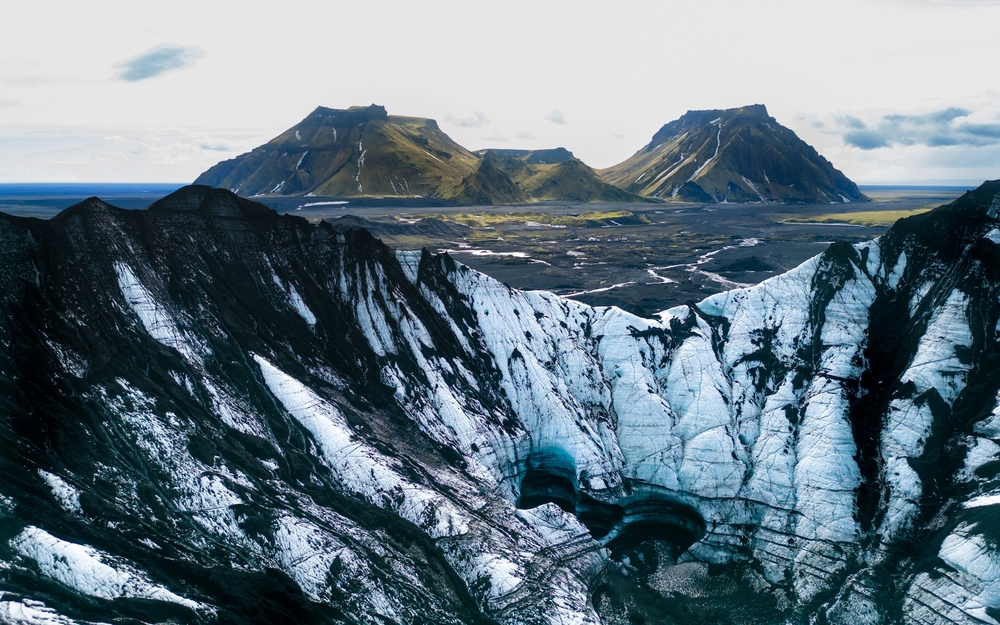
(860, 218)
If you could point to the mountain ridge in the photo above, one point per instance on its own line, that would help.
(373, 435)
(363, 151)
(555, 175)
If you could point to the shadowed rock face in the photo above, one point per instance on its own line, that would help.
(212, 413)
(651, 513)
(549, 477)
(646, 513)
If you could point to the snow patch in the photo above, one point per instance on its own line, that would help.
(299, 305)
(30, 612)
(153, 316)
(718, 144)
(67, 496)
(357, 465)
(89, 571)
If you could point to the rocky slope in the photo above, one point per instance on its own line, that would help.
(215, 414)
(733, 155)
(555, 175)
(360, 151)
(488, 185)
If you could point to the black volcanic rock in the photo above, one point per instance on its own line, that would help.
(733, 155)
(211, 413)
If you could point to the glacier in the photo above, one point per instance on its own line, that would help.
(280, 421)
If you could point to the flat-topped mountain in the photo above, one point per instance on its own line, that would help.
(732, 155)
(363, 151)
(360, 151)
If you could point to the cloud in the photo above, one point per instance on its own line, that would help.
(958, 3)
(478, 120)
(556, 117)
(215, 147)
(157, 61)
(496, 136)
(524, 136)
(949, 126)
(618, 136)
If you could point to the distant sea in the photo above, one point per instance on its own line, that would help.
(45, 200)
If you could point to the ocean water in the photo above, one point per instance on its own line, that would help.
(45, 200)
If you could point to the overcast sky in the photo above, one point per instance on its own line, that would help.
(891, 91)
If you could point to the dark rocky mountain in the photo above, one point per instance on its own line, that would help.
(732, 155)
(214, 414)
(555, 175)
(361, 151)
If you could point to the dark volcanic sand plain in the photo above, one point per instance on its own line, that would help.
(660, 256)
(685, 253)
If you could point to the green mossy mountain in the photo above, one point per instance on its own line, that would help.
(556, 175)
(360, 151)
(486, 186)
(735, 155)
(365, 152)
(732, 155)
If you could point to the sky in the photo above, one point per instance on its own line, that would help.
(890, 91)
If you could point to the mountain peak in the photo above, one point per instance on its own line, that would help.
(358, 114)
(555, 175)
(549, 156)
(732, 155)
(210, 201)
(91, 205)
(352, 152)
(751, 110)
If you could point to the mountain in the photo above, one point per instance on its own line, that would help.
(360, 151)
(487, 185)
(733, 155)
(556, 175)
(215, 414)
(363, 151)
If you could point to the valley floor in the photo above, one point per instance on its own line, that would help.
(661, 256)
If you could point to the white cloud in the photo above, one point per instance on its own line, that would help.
(157, 61)
(556, 117)
(497, 136)
(524, 136)
(948, 126)
(958, 142)
(476, 120)
(110, 155)
(874, 54)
